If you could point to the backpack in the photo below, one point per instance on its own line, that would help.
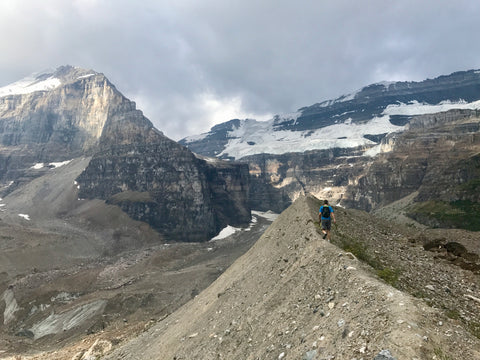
(325, 212)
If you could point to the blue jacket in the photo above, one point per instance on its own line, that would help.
(320, 211)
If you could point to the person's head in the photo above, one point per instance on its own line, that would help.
(325, 202)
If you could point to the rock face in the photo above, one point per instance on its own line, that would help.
(330, 149)
(80, 113)
(165, 185)
(438, 157)
(55, 124)
(276, 180)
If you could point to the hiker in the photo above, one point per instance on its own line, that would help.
(325, 216)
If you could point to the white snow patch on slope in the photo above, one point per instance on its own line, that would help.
(416, 108)
(226, 232)
(193, 138)
(252, 138)
(25, 216)
(59, 164)
(269, 215)
(256, 137)
(30, 84)
(53, 165)
(85, 76)
(38, 166)
(230, 230)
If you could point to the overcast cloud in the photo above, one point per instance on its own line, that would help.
(190, 64)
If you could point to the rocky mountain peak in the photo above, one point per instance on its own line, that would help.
(72, 112)
(47, 80)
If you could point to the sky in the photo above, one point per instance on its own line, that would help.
(191, 64)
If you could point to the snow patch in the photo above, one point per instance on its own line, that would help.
(252, 138)
(416, 108)
(85, 76)
(193, 138)
(372, 152)
(37, 166)
(226, 232)
(59, 164)
(269, 215)
(25, 216)
(29, 85)
(53, 165)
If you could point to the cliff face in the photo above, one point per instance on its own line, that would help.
(67, 120)
(276, 180)
(133, 165)
(165, 185)
(438, 157)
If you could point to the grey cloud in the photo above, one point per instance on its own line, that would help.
(274, 55)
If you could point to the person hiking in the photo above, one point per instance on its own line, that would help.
(325, 216)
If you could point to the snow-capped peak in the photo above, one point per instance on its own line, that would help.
(43, 81)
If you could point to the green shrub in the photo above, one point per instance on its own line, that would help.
(390, 276)
(461, 214)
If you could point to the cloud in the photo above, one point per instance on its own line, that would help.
(189, 63)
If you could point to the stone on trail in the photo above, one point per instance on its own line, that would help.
(384, 355)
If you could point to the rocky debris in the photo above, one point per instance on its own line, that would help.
(96, 351)
(293, 295)
(398, 255)
(452, 251)
(57, 308)
(384, 355)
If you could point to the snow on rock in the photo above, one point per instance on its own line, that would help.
(416, 108)
(52, 165)
(38, 166)
(59, 164)
(256, 137)
(25, 216)
(269, 215)
(226, 232)
(30, 84)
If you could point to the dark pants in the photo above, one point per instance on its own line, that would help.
(326, 224)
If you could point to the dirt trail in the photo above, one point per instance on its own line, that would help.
(296, 296)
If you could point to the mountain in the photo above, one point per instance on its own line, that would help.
(437, 161)
(93, 198)
(360, 119)
(367, 150)
(71, 112)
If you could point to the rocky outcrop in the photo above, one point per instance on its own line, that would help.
(165, 185)
(439, 158)
(277, 180)
(134, 166)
